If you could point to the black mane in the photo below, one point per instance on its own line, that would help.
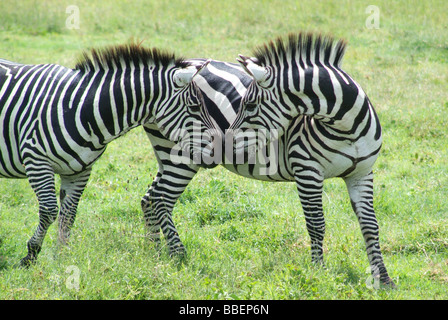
(308, 46)
(104, 58)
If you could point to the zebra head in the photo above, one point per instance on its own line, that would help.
(259, 119)
(260, 107)
(286, 75)
(184, 119)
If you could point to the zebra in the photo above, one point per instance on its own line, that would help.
(56, 120)
(326, 127)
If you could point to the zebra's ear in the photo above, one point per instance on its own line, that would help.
(183, 76)
(251, 66)
(200, 67)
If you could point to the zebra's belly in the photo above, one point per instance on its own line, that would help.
(68, 160)
(65, 164)
(261, 172)
(16, 174)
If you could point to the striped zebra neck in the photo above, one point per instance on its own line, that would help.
(113, 100)
(123, 84)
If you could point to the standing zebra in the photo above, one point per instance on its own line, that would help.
(327, 128)
(56, 120)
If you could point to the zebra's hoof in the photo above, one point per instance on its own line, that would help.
(388, 283)
(27, 262)
(178, 252)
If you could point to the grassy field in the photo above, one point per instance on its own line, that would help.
(245, 239)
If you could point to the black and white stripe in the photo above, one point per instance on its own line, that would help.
(326, 125)
(310, 149)
(55, 120)
(222, 85)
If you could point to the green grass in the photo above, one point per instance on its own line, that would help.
(246, 239)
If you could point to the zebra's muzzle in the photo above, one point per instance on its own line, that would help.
(207, 152)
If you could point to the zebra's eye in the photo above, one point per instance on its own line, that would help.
(251, 107)
(195, 108)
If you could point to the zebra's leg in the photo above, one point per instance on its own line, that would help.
(309, 186)
(41, 178)
(158, 203)
(70, 194)
(361, 196)
(148, 209)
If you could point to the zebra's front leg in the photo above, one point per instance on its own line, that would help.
(310, 187)
(157, 209)
(158, 203)
(149, 208)
(72, 188)
(42, 182)
(361, 196)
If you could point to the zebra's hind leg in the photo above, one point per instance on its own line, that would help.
(309, 186)
(70, 194)
(361, 196)
(41, 178)
(158, 203)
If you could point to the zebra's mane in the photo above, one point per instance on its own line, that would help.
(305, 46)
(105, 58)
